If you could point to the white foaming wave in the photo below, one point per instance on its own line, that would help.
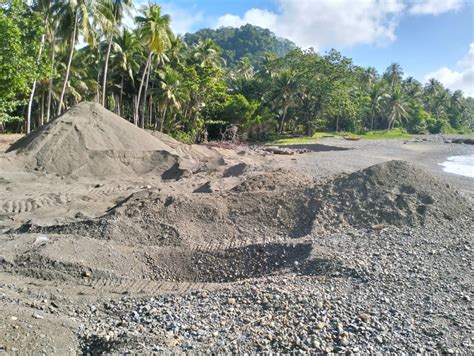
(460, 165)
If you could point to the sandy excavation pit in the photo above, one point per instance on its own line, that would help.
(197, 265)
(92, 207)
(127, 270)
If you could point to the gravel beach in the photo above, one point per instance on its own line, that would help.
(355, 247)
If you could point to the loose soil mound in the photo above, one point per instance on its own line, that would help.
(159, 219)
(252, 231)
(273, 181)
(211, 157)
(89, 140)
(393, 192)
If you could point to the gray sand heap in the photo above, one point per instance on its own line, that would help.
(390, 193)
(393, 192)
(89, 140)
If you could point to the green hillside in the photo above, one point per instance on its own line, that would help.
(246, 41)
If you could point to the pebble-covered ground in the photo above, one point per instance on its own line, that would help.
(253, 257)
(371, 291)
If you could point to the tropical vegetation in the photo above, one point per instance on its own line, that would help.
(56, 53)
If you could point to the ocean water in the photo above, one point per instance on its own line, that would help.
(460, 165)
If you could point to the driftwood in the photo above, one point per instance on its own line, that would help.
(467, 141)
(284, 150)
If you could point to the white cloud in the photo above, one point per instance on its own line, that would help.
(460, 79)
(468, 59)
(435, 7)
(318, 23)
(258, 17)
(182, 19)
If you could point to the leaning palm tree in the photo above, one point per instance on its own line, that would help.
(111, 20)
(76, 18)
(154, 29)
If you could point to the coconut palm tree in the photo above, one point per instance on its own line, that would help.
(437, 98)
(178, 51)
(412, 88)
(170, 93)
(113, 12)
(126, 57)
(154, 29)
(456, 108)
(207, 54)
(75, 18)
(48, 9)
(283, 93)
(245, 69)
(397, 105)
(393, 75)
(369, 77)
(375, 95)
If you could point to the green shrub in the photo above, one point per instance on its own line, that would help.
(185, 137)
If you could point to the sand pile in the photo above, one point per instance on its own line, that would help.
(277, 180)
(89, 140)
(393, 192)
(156, 218)
(204, 154)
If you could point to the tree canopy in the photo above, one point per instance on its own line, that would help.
(244, 76)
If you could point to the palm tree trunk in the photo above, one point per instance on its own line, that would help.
(137, 106)
(42, 109)
(150, 109)
(309, 128)
(106, 68)
(282, 123)
(185, 113)
(120, 107)
(69, 62)
(135, 110)
(32, 95)
(142, 122)
(162, 123)
(50, 86)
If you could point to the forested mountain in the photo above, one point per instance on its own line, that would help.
(247, 41)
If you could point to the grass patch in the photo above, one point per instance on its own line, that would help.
(318, 136)
(385, 135)
(294, 140)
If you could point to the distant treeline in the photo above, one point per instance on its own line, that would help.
(156, 79)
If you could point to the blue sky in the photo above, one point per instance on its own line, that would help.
(429, 38)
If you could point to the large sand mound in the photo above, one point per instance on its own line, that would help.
(89, 140)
